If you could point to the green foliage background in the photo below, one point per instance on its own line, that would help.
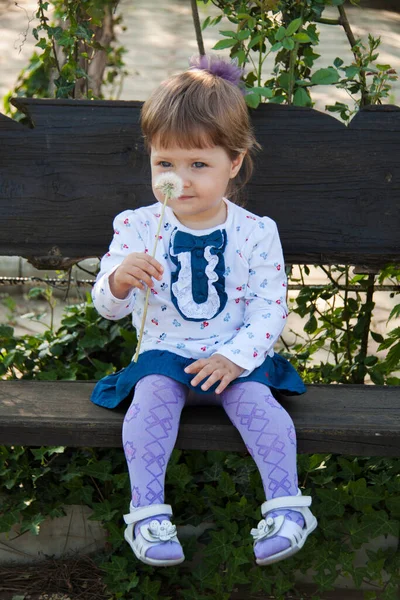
(355, 499)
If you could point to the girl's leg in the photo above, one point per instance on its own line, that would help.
(149, 433)
(269, 435)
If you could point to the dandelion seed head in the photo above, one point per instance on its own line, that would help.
(169, 184)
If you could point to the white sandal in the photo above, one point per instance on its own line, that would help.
(271, 526)
(150, 533)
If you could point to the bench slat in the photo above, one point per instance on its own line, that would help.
(346, 419)
(63, 181)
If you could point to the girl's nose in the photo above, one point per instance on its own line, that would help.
(183, 174)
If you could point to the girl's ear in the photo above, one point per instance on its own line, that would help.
(236, 163)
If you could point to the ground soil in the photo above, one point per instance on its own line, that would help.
(79, 578)
(61, 579)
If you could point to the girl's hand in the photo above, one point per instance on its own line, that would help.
(136, 269)
(218, 367)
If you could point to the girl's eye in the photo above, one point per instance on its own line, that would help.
(199, 165)
(165, 164)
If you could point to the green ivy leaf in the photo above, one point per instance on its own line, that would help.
(115, 534)
(325, 579)
(42, 43)
(102, 511)
(213, 473)
(393, 505)
(179, 475)
(81, 495)
(334, 501)
(8, 520)
(192, 594)
(204, 572)
(360, 531)
(261, 582)
(359, 574)
(220, 549)
(33, 524)
(99, 470)
(116, 568)
(361, 495)
(381, 524)
(311, 325)
(226, 485)
(149, 588)
(93, 338)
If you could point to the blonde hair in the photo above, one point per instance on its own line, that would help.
(197, 109)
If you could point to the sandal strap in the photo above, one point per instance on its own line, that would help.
(285, 502)
(143, 512)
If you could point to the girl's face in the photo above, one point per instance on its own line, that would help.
(205, 173)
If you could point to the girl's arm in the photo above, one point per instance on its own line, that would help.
(129, 236)
(266, 310)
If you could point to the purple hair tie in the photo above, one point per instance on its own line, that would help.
(230, 71)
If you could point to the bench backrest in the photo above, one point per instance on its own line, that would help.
(333, 190)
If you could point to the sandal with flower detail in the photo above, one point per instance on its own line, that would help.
(272, 526)
(150, 534)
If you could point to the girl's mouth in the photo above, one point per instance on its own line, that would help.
(185, 197)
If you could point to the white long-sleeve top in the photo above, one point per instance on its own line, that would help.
(222, 294)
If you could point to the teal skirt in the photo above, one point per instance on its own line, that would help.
(275, 372)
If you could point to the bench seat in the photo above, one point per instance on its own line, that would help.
(346, 419)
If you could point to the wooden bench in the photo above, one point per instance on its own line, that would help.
(334, 192)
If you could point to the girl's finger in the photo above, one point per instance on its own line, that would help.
(224, 382)
(138, 273)
(214, 377)
(195, 366)
(151, 269)
(159, 268)
(205, 371)
(131, 280)
(209, 369)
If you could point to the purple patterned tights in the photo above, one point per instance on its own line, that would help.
(150, 430)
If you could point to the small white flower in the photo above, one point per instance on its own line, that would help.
(169, 184)
(163, 531)
(267, 528)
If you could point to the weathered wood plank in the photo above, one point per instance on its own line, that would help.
(358, 420)
(334, 191)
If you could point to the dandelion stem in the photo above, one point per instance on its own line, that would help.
(168, 196)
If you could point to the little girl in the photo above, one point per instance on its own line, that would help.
(217, 307)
